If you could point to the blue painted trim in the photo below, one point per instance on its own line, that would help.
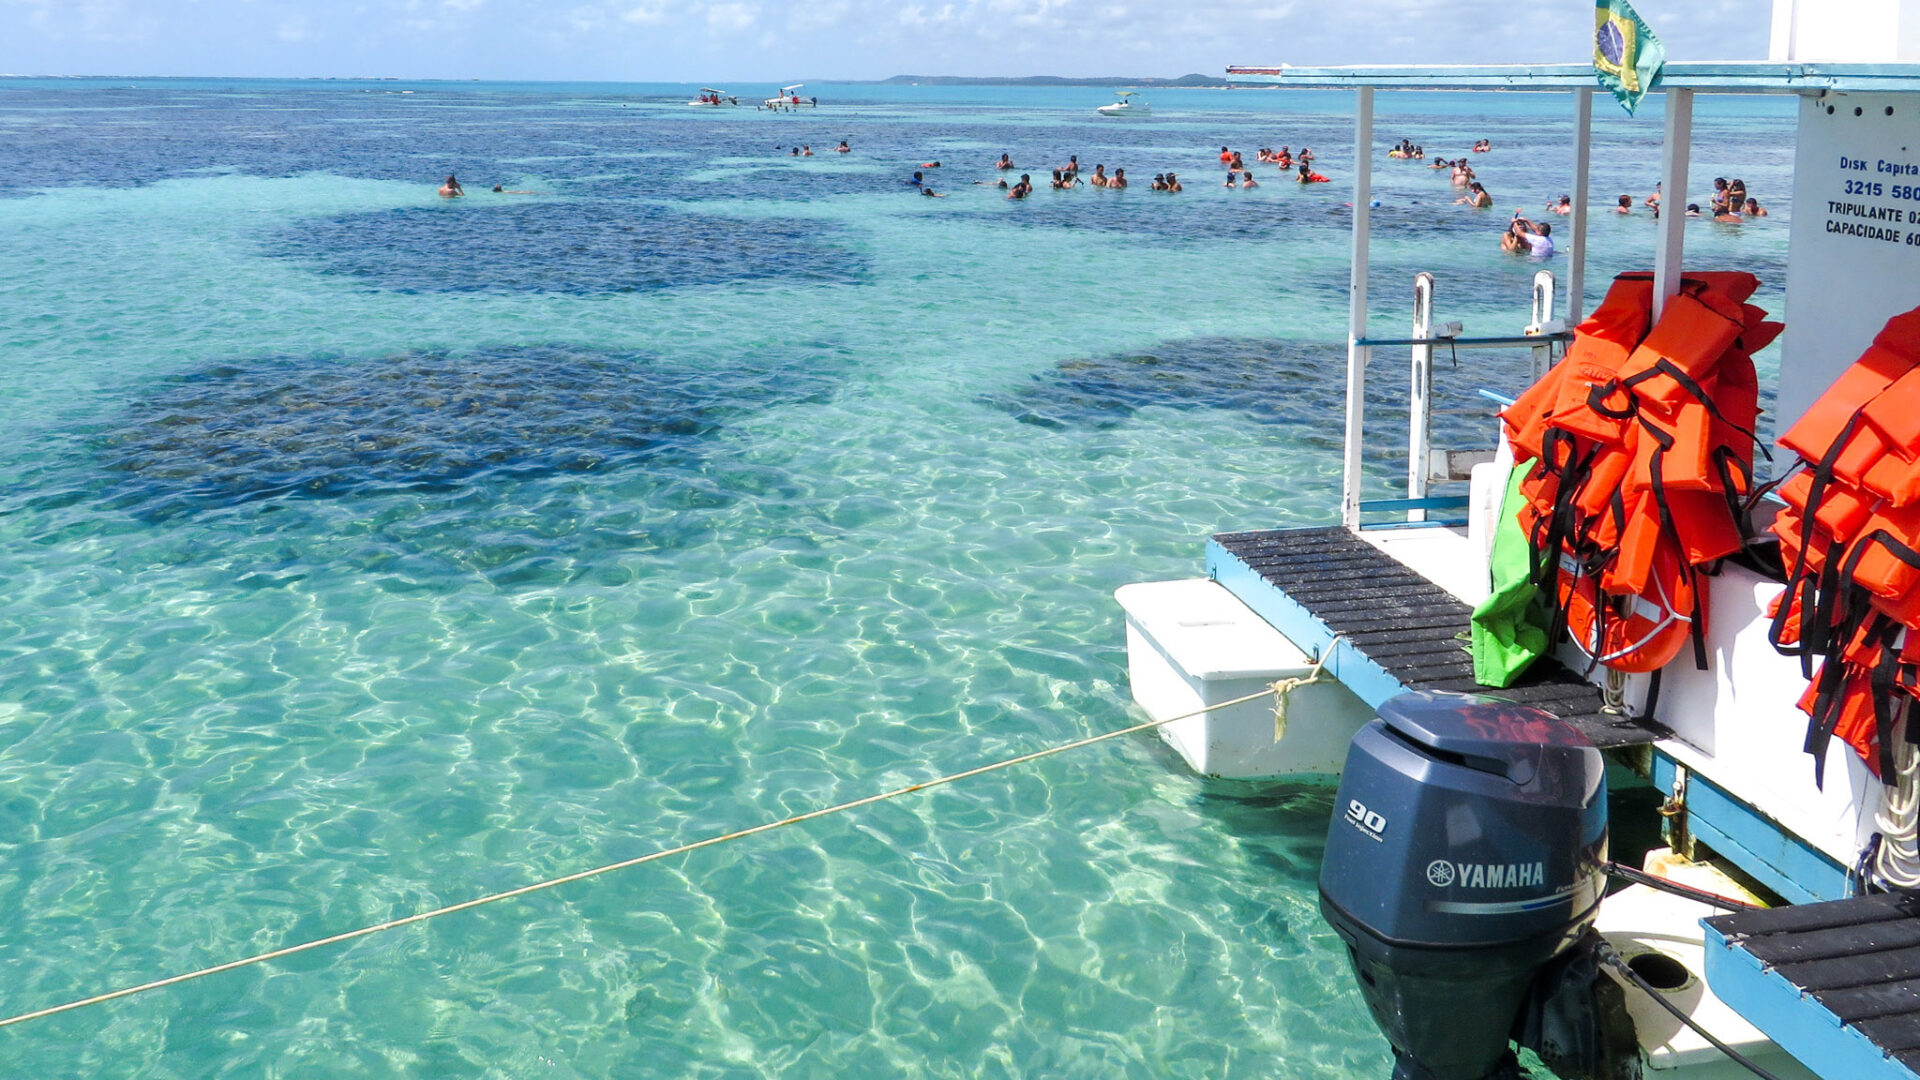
(1753, 842)
(1801, 1026)
(1432, 502)
(1355, 669)
(1430, 523)
(1495, 396)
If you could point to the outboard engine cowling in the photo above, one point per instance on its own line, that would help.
(1464, 856)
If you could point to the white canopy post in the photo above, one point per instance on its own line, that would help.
(1673, 198)
(1577, 253)
(1358, 354)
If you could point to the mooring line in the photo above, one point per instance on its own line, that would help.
(494, 898)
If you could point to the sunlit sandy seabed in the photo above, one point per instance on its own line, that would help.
(366, 552)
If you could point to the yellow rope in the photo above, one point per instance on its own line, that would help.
(1284, 688)
(582, 875)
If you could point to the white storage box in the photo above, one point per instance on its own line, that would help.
(1191, 644)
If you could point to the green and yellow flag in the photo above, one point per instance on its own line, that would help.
(1626, 55)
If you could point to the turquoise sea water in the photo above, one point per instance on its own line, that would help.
(366, 552)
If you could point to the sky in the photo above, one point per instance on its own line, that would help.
(821, 40)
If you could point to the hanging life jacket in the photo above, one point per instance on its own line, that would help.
(1850, 541)
(1644, 438)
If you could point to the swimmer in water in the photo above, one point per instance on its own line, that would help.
(1475, 197)
(1117, 180)
(930, 193)
(1005, 162)
(1173, 183)
(843, 148)
(1099, 176)
(1524, 237)
(1231, 176)
(497, 191)
(1754, 209)
(1564, 206)
(1247, 181)
(451, 189)
(1626, 205)
(1022, 189)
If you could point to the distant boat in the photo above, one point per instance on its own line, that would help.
(1130, 104)
(711, 97)
(789, 98)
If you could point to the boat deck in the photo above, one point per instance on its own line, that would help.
(1390, 629)
(1803, 973)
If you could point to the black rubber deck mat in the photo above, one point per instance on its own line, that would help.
(1859, 959)
(1412, 627)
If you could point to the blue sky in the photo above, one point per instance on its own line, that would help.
(760, 40)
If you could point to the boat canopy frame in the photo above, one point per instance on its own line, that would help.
(1679, 83)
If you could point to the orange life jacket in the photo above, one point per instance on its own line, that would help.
(1850, 540)
(1643, 437)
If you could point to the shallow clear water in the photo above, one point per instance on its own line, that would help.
(366, 552)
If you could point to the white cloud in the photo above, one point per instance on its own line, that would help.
(745, 39)
(728, 18)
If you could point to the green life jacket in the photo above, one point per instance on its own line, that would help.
(1510, 625)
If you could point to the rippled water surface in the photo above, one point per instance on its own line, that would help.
(366, 552)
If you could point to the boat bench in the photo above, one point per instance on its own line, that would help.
(1836, 984)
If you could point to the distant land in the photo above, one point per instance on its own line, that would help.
(1049, 80)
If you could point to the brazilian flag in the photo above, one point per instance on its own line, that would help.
(1626, 55)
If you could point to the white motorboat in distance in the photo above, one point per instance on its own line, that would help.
(1130, 104)
(713, 98)
(789, 98)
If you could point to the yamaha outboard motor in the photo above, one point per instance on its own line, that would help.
(1464, 858)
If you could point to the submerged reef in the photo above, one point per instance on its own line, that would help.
(320, 427)
(1271, 381)
(562, 246)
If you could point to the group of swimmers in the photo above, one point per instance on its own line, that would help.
(1284, 157)
(1729, 203)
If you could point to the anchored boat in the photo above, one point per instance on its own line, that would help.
(1749, 653)
(789, 98)
(711, 98)
(1130, 104)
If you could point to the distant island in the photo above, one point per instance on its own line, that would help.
(1049, 80)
